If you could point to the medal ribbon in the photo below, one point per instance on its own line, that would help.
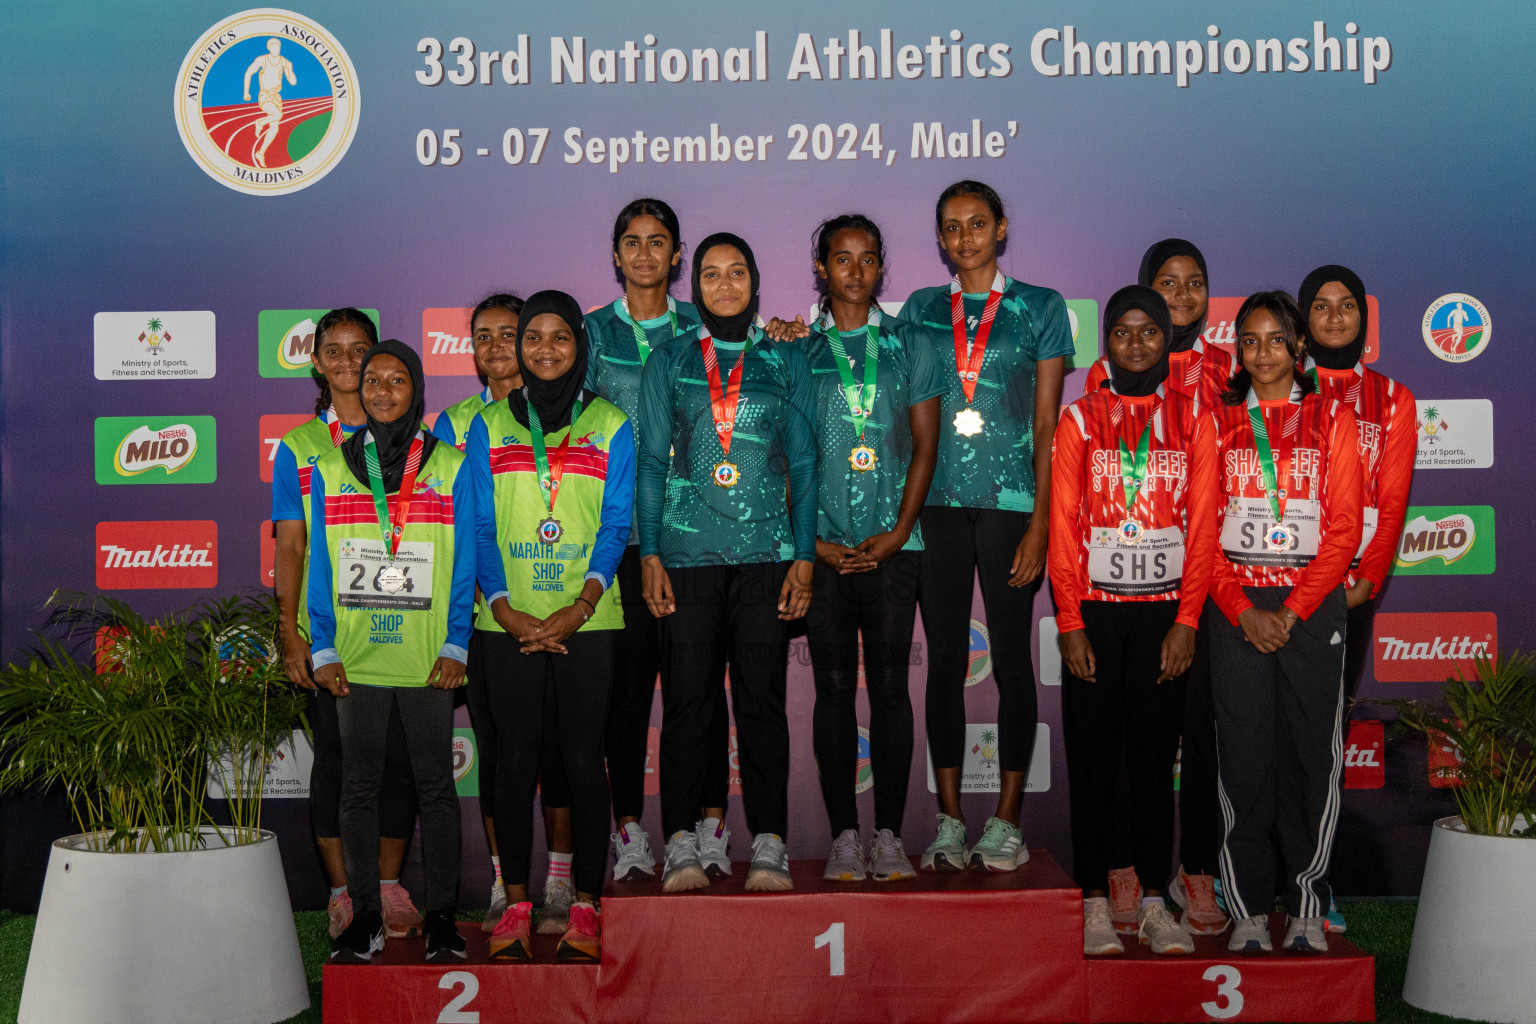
(392, 527)
(1134, 470)
(338, 436)
(550, 471)
(641, 342)
(1268, 477)
(861, 400)
(722, 399)
(969, 365)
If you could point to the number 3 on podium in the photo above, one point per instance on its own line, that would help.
(832, 938)
(1229, 1000)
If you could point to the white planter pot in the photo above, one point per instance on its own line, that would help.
(204, 937)
(1471, 954)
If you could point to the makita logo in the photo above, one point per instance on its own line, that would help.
(445, 344)
(157, 555)
(1364, 766)
(1354, 757)
(1424, 647)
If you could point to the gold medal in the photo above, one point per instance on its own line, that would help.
(863, 458)
(726, 474)
(968, 422)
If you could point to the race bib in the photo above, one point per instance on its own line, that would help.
(1248, 528)
(1153, 565)
(361, 580)
(1368, 532)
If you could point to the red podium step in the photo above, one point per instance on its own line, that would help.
(1214, 984)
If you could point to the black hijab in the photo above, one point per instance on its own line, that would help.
(726, 328)
(1334, 358)
(392, 439)
(551, 399)
(1151, 302)
(1183, 338)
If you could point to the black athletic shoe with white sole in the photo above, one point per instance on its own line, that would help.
(444, 943)
(359, 941)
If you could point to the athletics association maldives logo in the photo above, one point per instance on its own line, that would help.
(979, 665)
(863, 765)
(1457, 327)
(267, 102)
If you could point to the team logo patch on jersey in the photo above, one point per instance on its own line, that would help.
(1457, 327)
(267, 102)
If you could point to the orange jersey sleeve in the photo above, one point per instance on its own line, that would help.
(1394, 478)
(1098, 373)
(1342, 518)
(1222, 582)
(1201, 536)
(1063, 555)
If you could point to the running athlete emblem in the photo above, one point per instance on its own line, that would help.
(304, 113)
(1457, 327)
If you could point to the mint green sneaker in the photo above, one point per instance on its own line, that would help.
(1001, 847)
(947, 852)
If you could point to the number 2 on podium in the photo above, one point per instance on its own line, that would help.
(454, 1012)
(832, 938)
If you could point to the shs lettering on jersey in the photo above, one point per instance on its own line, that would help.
(1123, 470)
(593, 507)
(1387, 418)
(1201, 372)
(1315, 455)
(391, 637)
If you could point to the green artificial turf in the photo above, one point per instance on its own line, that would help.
(1381, 928)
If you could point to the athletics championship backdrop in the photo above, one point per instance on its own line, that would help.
(187, 185)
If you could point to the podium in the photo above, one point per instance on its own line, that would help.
(959, 946)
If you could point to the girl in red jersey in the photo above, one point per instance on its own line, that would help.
(1287, 506)
(1128, 604)
(1332, 298)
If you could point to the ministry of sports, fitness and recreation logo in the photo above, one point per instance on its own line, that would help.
(267, 102)
(1457, 327)
(979, 665)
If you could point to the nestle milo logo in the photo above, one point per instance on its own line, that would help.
(1447, 539)
(156, 450)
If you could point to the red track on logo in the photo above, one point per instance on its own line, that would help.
(1445, 338)
(233, 128)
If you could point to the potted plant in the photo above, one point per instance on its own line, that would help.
(156, 912)
(1470, 956)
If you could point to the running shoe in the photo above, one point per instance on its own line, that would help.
(1099, 938)
(888, 861)
(357, 944)
(1000, 848)
(509, 939)
(1125, 900)
(1336, 922)
(582, 941)
(714, 847)
(1307, 935)
(555, 914)
(846, 861)
(1250, 935)
(444, 943)
(497, 908)
(401, 918)
(339, 911)
(682, 870)
(1158, 929)
(770, 865)
(947, 851)
(1197, 895)
(633, 860)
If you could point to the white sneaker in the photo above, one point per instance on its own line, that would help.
(498, 907)
(1250, 935)
(1157, 928)
(770, 865)
(1099, 938)
(947, 852)
(714, 847)
(555, 915)
(846, 861)
(888, 861)
(682, 870)
(1307, 935)
(633, 860)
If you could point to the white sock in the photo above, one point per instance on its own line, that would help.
(496, 867)
(388, 881)
(710, 825)
(1148, 901)
(559, 868)
(337, 890)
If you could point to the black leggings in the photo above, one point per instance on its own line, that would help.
(636, 662)
(397, 795)
(1200, 826)
(1125, 717)
(958, 544)
(881, 603)
(542, 704)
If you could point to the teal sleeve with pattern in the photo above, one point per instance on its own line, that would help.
(653, 434)
(800, 451)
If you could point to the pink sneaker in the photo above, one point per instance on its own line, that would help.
(1197, 895)
(1125, 900)
(401, 918)
(581, 942)
(339, 910)
(509, 939)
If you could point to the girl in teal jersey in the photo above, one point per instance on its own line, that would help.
(877, 388)
(1005, 367)
(646, 254)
